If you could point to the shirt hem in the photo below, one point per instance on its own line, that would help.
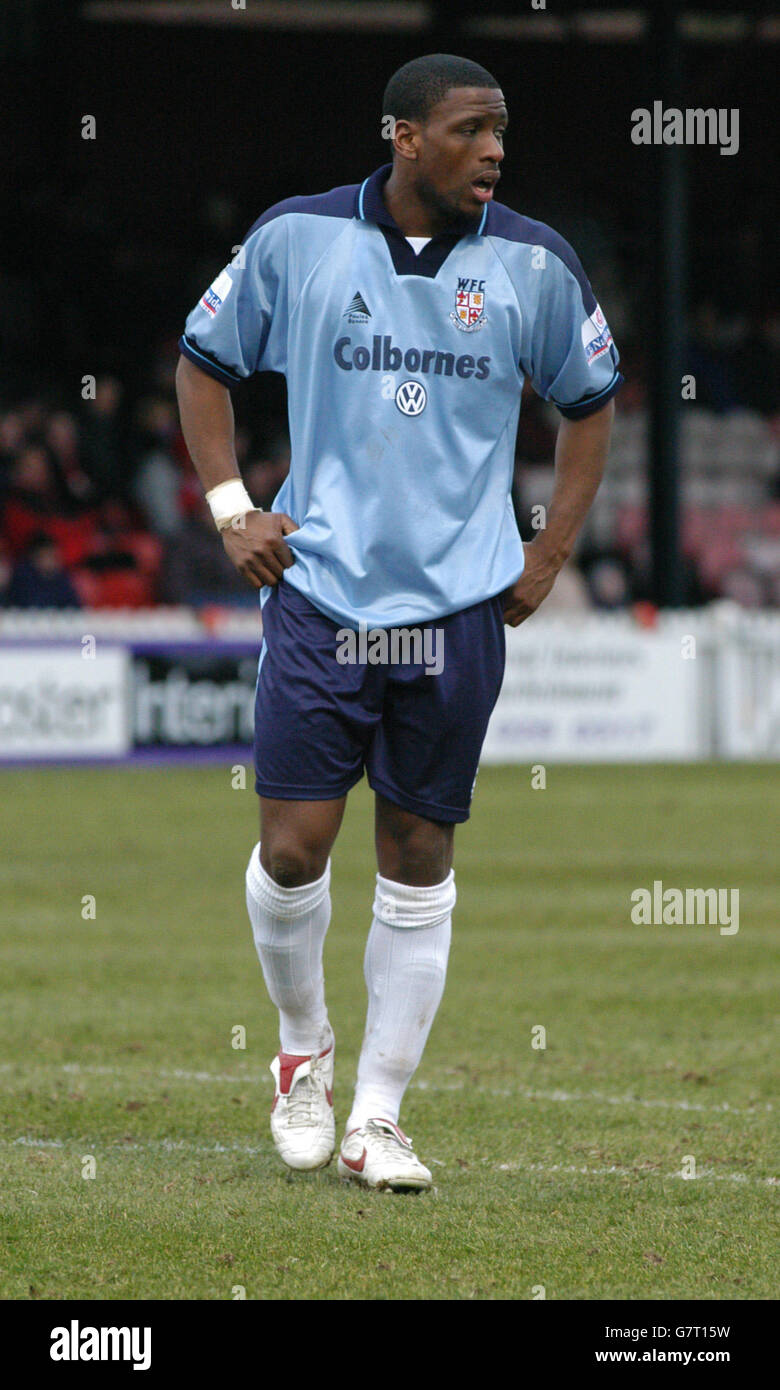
(353, 623)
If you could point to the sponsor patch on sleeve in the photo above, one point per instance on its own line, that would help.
(217, 293)
(596, 337)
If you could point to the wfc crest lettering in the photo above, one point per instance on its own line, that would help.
(469, 312)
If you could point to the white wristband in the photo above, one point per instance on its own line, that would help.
(229, 500)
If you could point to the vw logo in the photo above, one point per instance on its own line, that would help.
(411, 398)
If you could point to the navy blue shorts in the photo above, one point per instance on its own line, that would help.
(324, 712)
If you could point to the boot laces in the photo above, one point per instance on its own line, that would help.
(304, 1096)
(386, 1140)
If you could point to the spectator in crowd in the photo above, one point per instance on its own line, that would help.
(37, 499)
(264, 476)
(63, 440)
(157, 485)
(36, 496)
(38, 579)
(104, 457)
(196, 569)
(608, 583)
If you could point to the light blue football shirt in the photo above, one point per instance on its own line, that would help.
(404, 374)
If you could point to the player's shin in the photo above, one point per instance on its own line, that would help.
(289, 927)
(405, 970)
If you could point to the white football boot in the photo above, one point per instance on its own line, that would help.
(380, 1155)
(303, 1126)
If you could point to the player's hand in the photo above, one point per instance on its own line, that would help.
(256, 545)
(532, 587)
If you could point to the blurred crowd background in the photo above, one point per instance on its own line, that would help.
(107, 243)
(101, 506)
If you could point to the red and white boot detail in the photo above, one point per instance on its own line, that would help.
(303, 1125)
(380, 1155)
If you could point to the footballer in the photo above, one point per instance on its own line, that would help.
(405, 312)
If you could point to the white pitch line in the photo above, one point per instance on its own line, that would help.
(526, 1092)
(185, 1146)
(614, 1169)
(530, 1093)
(167, 1145)
(76, 1069)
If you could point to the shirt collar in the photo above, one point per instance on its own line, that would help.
(371, 204)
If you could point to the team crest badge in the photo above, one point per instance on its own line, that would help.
(469, 312)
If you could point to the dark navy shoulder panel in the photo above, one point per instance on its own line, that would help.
(338, 202)
(512, 226)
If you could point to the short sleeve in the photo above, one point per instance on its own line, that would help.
(239, 325)
(573, 359)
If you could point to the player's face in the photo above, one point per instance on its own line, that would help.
(460, 149)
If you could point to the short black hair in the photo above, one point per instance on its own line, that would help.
(418, 86)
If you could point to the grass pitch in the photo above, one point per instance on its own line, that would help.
(557, 1167)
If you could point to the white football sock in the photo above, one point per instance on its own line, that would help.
(289, 926)
(405, 968)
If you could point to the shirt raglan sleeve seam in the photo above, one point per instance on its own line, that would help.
(521, 374)
(588, 404)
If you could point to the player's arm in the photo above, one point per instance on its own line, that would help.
(571, 360)
(254, 540)
(580, 458)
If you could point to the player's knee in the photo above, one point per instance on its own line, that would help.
(292, 865)
(413, 850)
(422, 856)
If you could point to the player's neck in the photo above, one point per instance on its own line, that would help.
(407, 210)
